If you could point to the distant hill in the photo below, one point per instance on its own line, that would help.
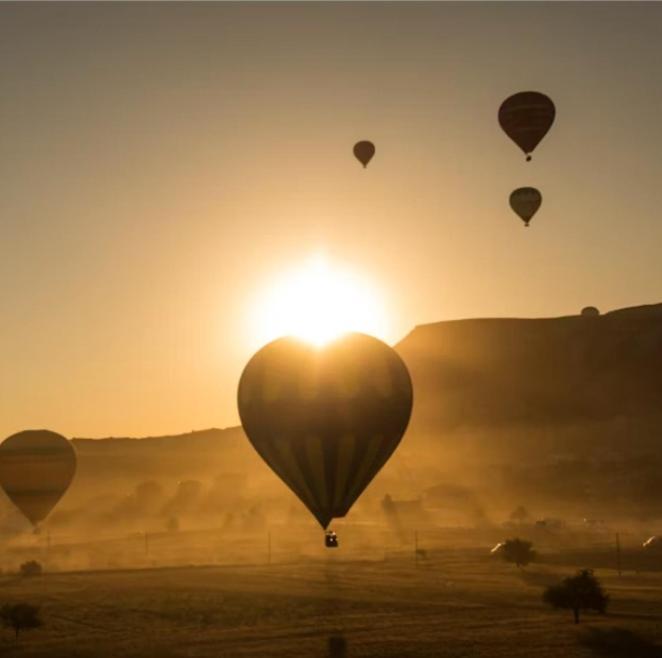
(206, 453)
(565, 370)
(561, 410)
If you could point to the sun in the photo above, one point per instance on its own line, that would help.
(318, 302)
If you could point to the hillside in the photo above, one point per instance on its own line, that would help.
(558, 412)
(555, 371)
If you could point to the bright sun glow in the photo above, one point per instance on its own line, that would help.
(317, 302)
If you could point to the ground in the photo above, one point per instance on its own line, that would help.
(452, 602)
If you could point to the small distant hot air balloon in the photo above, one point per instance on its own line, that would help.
(526, 117)
(36, 468)
(525, 201)
(326, 419)
(590, 312)
(363, 152)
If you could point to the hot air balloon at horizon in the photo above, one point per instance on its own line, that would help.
(364, 152)
(526, 117)
(525, 202)
(36, 469)
(326, 419)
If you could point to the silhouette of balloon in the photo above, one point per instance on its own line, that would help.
(363, 152)
(36, 469)
(326, 419)
(525, 201)
(526, 117)
(590, 312)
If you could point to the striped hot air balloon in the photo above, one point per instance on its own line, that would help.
(326, 419)
(36, 469)
(525, 202)
(526, 118)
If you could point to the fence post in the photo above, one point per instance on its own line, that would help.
(618, 553)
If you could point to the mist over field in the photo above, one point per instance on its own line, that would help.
(197, 537)
(567, 443)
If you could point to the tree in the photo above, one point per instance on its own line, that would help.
(31, 568)
(519, 514)
(337, 646)
(20, 616)
(518, 551)
(582, 591)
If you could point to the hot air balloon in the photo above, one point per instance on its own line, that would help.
(36, 468)
(363, 152)
(590, 312)
(526, 117)
(326, 419)
(525, 201)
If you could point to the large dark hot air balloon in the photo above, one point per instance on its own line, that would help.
(36, 468)
(326, 419)
(526, 117)
(363, 152)
(525, 201)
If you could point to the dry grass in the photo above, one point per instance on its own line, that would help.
(455, 603)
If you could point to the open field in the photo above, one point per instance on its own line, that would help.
(455, 602)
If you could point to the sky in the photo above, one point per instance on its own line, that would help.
(161, 164)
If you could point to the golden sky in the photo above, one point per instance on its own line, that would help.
(161, 164)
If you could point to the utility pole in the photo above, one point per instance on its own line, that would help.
(618, 553)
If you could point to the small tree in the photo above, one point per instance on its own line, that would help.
(20, 616)
(519, 514)
(337, 646)
(582, 591)
(518, 551)
(31, 568)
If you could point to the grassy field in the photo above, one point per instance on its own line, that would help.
(453, 603)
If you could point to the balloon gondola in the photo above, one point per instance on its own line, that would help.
(330, 539)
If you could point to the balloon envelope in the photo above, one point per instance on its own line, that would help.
(525, 201)
(526, 118)
(326, 419)
(363, 152)
(36, 468)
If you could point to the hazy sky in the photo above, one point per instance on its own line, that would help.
(161, 163)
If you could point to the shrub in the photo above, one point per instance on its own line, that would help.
(582, 591)
(20, 616)
(518, 551)
(31, 568)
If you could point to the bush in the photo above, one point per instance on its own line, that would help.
(518, 551)
(20, 616)
(337, 646)
(582, 591)
(519, 514)
(31, 568)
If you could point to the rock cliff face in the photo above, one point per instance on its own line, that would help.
(554, 371)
